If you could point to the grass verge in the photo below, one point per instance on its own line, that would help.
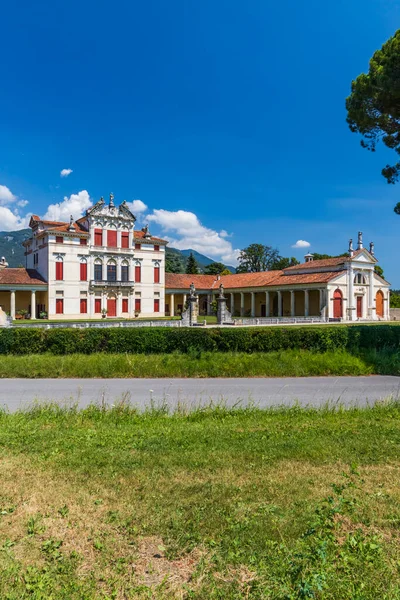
(217, 504)
(296, 363)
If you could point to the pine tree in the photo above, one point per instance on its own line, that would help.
(191, 265)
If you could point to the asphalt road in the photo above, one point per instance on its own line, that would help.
(263, 392)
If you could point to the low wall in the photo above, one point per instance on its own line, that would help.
(395, 314)
(100, 324)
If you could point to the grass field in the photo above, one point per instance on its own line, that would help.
(217, 504)
(296, 363)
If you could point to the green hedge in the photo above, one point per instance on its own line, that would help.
(157, 340)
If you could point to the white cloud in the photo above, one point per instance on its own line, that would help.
(65, 172)
(137, 206)
(301, 244)
(188, 232)
(10, 221)
(22, 203)
(75, 205)
(6, 196)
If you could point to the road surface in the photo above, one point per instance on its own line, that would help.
(263, 392)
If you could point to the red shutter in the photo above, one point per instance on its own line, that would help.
(156, 305)
(59, 271)
(98, 237)
(59, 239)
(156, 274)
(125, 239)
(125, 305)
(97, 305)
(83, 271)
(83, 306)
(111, 307)
(156, 248)
(111, 238)
(83, 241)
(59, 306)
(138, 246)
(138, 274)
(137, 305)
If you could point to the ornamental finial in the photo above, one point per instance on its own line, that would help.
(112, 200)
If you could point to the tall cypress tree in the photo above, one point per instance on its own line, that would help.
(191, 265)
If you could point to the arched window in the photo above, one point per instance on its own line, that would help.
(125, 271)
(112, 237)
(337, 304)
(83, 269)
(59, 269)
(111, 271)
(98, 270)
(98, 236)
(379, 304)
(125, 239)
(359, 279)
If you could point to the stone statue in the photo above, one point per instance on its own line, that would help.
(351, 250)
(221, 291)
(192, 290)
(3, 318)
(360, 240)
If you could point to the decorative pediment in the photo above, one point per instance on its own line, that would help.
(110, 211)
(364, 257)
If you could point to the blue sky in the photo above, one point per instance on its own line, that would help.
(231, 111)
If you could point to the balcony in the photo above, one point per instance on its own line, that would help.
(111, 284)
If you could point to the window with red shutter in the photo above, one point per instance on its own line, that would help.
(156, 248)
(125, 305)
(83, 241)
(98, 237)
(138, 274)
(112, 238)
(59, 306)
(138, 246)
(97, 305)
(125, 239)
(83, 271)
(138, 305)
(59, 239)
(83, 306)
(156, 274)
(59, 271)
(156, 305)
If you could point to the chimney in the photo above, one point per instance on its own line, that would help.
(351, 249)
(372, 248)
(309, 257)
(360, 241)
(3, 263)
(71, 224)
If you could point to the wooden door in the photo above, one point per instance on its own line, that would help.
(111, 307)
(337, 304)
(263, 310)
(359, 307)
(379, 304)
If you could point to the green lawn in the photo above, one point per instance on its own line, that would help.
(217, 504)
(285, 363)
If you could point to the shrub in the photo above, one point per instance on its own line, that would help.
(162, 340)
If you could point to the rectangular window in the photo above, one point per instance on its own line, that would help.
(97, 305)
(124, 273)
(156, 305)
(138, 304)
(83, 306)
(98, 237)
(156, 274)
(111, 272)
(156, 248)
(83, 241)
(138, 274)
(111, 238)
(125, 305)
(125, 239)
(59, 271)
(138, 246)
(83, 271)
(98, 272)
(59, 239)
(59, 306)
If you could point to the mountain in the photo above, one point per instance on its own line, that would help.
(13, 251)
(11, 246)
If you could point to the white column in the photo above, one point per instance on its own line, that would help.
(279, 294)
(241, 304)
(350, 296)
(372, 307)
(232, 306)
(118, 238)
(118, 268)
(306, 304)
(104, 237)
(172, 305)
(119, 304)
(292, 307)
(91, 304)
(267, 308)
(33, 304)
(321, 299)
(184, 301)
(12, 304)
(253, 304)
(131, 306)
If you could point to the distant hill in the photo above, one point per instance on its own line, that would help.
(11, 247)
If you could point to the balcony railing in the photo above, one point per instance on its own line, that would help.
(106, 283)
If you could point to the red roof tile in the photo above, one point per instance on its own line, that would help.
(20, 276)
(315, 264)
(139, 235)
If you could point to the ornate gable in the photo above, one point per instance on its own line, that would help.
(110, 211)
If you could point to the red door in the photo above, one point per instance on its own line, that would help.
(337, 305)
(379, 303)
(111, 307)
(359, 307)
